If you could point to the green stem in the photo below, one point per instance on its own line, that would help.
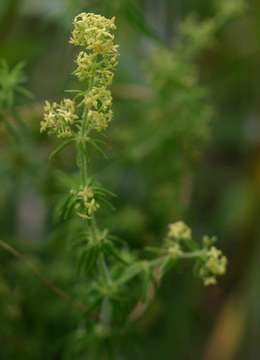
(104, 267)
(190, 255)
(194, 254)
(82, 151)
(83, 164)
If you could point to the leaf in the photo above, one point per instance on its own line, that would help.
(98, 148)
(131, 272)
(166, 265)
(146, 284)
(106, 311)
(135, 16)
(60, 148)
(191, 245)
(25, 92)
(113, 252)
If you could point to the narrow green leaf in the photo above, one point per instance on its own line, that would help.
(60, 148)
(131, 272)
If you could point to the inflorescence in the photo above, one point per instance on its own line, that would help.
(89, 110)
(212, 262)
(96, 63)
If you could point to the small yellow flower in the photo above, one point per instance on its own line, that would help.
(98, 120)
(214, 265)
(211, 280)
(99, 98)
(98, 101)
(58, 118)
(179, 231)
(85, 63)
(175, 251)
(94, 32)
(86, 205)
(86, 193)
(91, 207)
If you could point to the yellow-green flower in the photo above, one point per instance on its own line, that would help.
(214, 265)
(98, 120)
(59, 118)
(179, 231)
(98, 59)
(98, 98)
(85, 65)
(86, 203)
(175, 251)
(98, 101)
(94, 32)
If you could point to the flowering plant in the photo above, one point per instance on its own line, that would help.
(118, 278)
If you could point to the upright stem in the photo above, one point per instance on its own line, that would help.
(82, 150)
(83, 164)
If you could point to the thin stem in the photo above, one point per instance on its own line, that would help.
(141, 307)
(81, 149)
(192, 255)
(83, 164)
(103, 264)
(10, 128)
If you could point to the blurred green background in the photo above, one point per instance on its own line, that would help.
(213, 183)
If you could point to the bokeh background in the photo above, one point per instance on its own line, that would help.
(214, 185)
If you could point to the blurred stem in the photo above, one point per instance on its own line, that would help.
(53, 288)
(194, 254)
(10, 130)
(103, 265)
(21, 138)
(83, 164)
(82, 155)
(83, 174)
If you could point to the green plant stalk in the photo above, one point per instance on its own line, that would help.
(82, 165)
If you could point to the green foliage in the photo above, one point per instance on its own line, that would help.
(11, 83)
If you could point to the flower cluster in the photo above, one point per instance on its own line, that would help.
(84, 64)
(90, 109)
(59, 118)
(179, 231)
(97, 62)
(179, 244)
(94, 32)
(86, 204)
(98, 102)
(214, 265)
